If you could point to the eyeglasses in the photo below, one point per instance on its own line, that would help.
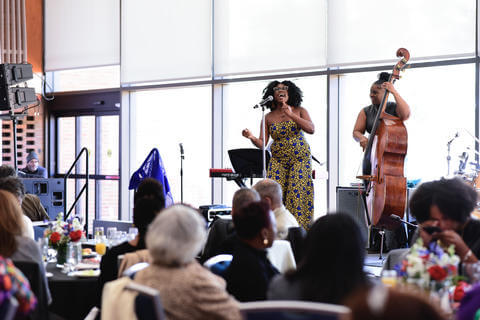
(280, 88)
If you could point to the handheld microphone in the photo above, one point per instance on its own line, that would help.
(263, 102)
(181, 148)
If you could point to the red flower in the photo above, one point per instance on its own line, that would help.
(55, 237)
(75, 235)
(437, 273)
(452, 269)
(459, 291)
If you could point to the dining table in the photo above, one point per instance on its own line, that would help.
(72, 296)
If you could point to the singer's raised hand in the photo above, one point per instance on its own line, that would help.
(246, 133)
(287, 110)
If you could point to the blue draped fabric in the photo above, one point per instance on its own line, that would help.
(153, 167)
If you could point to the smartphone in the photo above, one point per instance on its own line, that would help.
(432, 229)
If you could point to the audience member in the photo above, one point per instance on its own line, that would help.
(31, 205)
(33, 169)
(150, 188)
(271, 192)
(12, 243)
(250, 271)
(332, 265)
(447, 205)
(382, 303)
(14, 284)
(221, 236)
(16, 188)
(470, 304)
(188, 291)
(144, 213)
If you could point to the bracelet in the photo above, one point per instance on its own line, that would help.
(467, 255)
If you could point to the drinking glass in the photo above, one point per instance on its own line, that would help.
(99, 232)
(101, 247)
(471, 271)
(132, 233)
(111, 234)
(389, 278)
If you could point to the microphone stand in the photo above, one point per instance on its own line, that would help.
(264, 172)
(182, 157)
(448, 154)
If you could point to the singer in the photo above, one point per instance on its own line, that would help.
(290, 164)
(366, 116)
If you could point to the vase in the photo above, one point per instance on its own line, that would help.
(62, 254)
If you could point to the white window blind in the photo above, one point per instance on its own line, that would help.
(165, 40)
(254, 36)
(372, 30)
(81, 34)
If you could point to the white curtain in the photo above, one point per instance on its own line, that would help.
(81, 34)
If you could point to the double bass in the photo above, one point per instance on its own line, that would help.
(385, 187)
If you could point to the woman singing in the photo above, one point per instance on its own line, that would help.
(366, 116)
(290, 164)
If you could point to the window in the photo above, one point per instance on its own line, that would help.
(432, 109)
(165, 118)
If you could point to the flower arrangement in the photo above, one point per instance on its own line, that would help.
(61, 232)
(426, 264)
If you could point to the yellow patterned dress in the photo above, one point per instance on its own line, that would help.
(291, 167)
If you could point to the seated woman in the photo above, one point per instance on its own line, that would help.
(250, 271)
(332, 265)
(443, 208)
(13, 284)
(15, 246)
(144, 212)
(187, 290)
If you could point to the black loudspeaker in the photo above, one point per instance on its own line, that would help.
(49, 191)
(349, 201)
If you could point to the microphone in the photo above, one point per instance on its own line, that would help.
(181, 148)
(263, 102)
(398, 219)
(451, 140)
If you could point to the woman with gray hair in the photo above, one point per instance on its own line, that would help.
(187, 290)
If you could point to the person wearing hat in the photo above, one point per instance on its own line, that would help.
(33, 169)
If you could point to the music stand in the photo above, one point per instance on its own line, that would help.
(248, 163)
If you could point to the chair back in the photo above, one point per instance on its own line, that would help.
(293, 310)
(296, 237)
(92, 314)
(120, 225)
(281, 256)
(148, 305)
(32, 272)
(8, 309)
(218, 264)
(130, 272)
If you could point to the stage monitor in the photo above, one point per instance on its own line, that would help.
(248, 162)
(49, 191)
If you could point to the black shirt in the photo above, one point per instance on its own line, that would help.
(371, 112)
(109, 262)
(249, 273)
(471, 236)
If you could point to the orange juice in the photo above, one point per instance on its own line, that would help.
(100, 248)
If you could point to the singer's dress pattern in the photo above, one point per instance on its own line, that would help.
(291, 167)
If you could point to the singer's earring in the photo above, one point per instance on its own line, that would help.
(265, 241)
